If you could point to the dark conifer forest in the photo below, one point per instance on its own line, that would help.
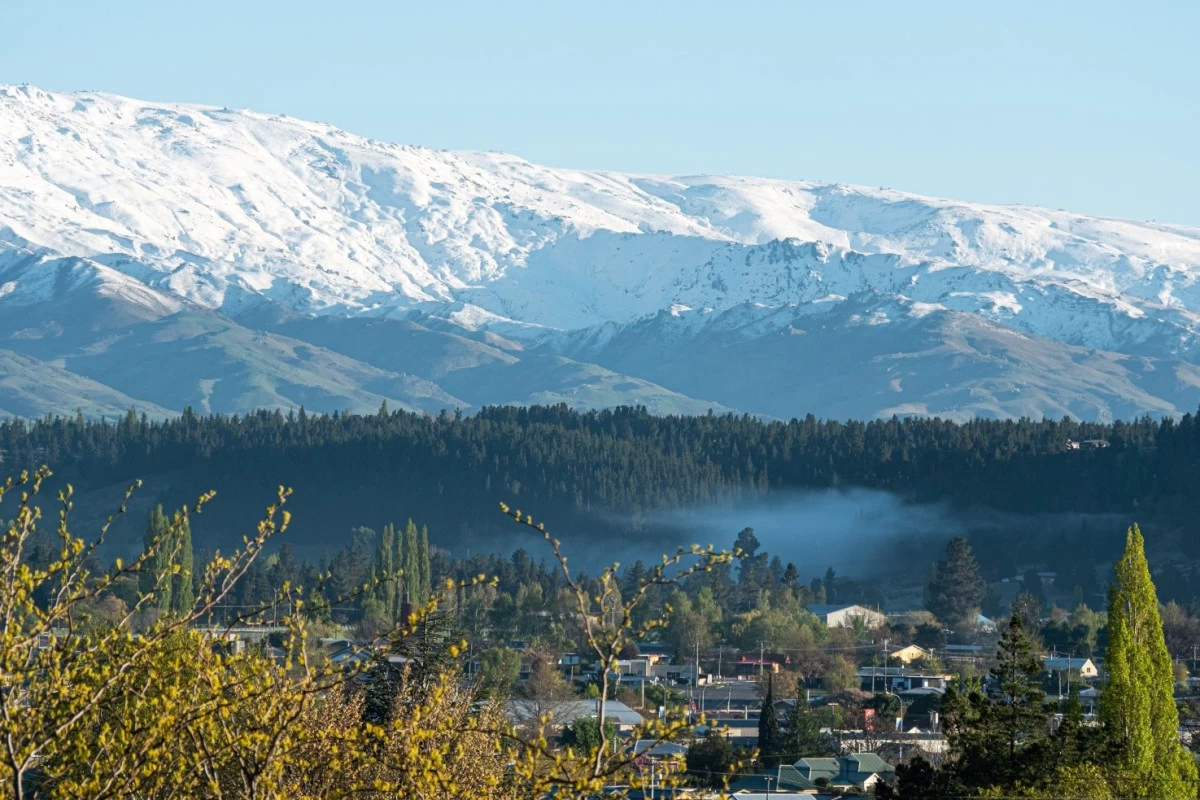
(598, 475)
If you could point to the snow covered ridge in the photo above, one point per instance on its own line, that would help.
(219, 206)
(175, 254)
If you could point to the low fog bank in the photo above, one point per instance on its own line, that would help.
(865, 533)
(854, 530)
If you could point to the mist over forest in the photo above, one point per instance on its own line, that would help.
(870, 498)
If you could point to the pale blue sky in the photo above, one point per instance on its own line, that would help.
(1091, 106)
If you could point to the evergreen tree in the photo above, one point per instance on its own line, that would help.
(1068, 738)
(955, 587)
(1021, 717)
(769, 740)
(801, 737)
(182, 593)
(1137, 706)
(711, 758)
(423, 565)
(384, 570)
(154, 577)
(412, 571)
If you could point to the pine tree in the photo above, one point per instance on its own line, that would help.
(801, 737)
(955, 587)
(1070, 730)
(1021, 718)
(1137, 706)
(768, 729)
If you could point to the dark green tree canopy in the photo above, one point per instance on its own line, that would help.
(955, 587)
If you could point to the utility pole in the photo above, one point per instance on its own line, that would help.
(760, 660)
(720, 652)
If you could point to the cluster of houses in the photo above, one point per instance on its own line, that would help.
(866, 750)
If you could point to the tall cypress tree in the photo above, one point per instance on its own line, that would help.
(1137, 705)
(769, 739)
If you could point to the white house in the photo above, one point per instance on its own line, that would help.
(565, 712)
(1082, 667)
(846, 614)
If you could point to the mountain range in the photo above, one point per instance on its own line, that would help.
(155, 256)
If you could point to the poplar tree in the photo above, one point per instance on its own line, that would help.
(385, 570)
(423, 565)
(154, 577)
(1137, 705)
(182, 594)
(412, 572)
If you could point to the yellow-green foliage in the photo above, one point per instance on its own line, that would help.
(94, 710)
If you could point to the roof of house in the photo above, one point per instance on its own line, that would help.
(784, 778)
(851, 769)
(659, 749)
(567, 711)
(1066, 662)
(898, 672)
(910, 647)
(823, 609)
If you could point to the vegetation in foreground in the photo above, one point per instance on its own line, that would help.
(88, 708)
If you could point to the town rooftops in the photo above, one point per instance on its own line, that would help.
(852, 770)
(567, 711)
(899, 672)
(784, 778)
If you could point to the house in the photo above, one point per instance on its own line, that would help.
(846, 614)
(660, 649)
(1087, 444)
(907, 655)
(565, 712)
(901, 679)
(962, 652)
(984, 624)
(751, 666)
(782, 779)
(654, 749)
(856, 771)
(680, 673)
(1080, 667)
(639, 667)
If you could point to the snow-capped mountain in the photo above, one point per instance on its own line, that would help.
(284, 262)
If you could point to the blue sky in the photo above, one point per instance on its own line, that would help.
(1094, 107)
